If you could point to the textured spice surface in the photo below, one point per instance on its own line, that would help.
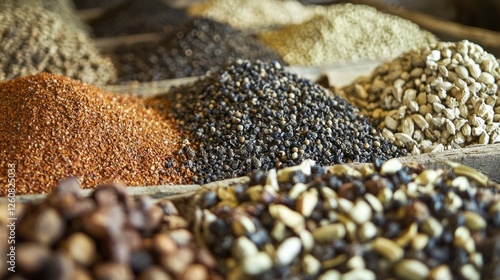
(387, 222)
(134, 17)
(53, 127)
(65, 9)
(198, 46)
(253, 14)
(257, 115)
(434, 98)
(35, 40)
(346, 33)
(108, 235)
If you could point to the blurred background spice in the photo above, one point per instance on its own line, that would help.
(346, 33)
(53, 127)
(36, 40)
(198, 46)
(253, 14)
(134, 17)
(64, 9)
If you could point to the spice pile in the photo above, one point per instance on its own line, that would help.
(134, 17)
(253, 14)
(257, 115)
(198, 46)
(106, 236)
(53, 127)
(346, 33)
(35, 40)
(435, 98)
(387, 222)
(92, 4)
(64, 9)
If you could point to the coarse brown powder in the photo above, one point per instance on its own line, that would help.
(53, 127)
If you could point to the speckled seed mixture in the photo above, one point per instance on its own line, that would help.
(65, 9)
(198, 46)
(107, 236)
(257, 115)
(435, 98)
(134, 17)
(35, 40)
(52, 127)
(253, 14)
(384, 222)
(346, 33)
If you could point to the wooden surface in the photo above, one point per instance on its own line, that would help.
(339, 76)
(485, 158)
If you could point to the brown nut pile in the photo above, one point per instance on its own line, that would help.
(107, 235)
(385, 221)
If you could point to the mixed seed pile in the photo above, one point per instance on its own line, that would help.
(35, 40)
(198, 46)
(388, 221)
(257, 115)
(435, 98)
(346, 33)
(253, 14)
(134, 17)
(107, 236)
(53, 127)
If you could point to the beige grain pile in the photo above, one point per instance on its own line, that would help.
(346, 33)
(253, 14)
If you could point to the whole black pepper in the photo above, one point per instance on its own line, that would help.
(196, 47)
(285, 120)
(133, 17)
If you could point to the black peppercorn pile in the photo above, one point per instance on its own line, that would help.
(257, 115)
(107, 235)
(384, 222)
(198, 46)
(135, 17)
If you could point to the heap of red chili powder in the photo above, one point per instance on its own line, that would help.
(53, 127)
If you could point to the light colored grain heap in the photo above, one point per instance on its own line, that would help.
(35, 40)
(253, 14)
(346, 33)
(435, 98)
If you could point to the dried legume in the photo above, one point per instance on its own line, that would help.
(256, 230)
(435, 98)
(53, 127)
(108, 235)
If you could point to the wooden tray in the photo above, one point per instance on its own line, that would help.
(485, 158)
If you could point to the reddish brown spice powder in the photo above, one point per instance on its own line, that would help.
(53, 127)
